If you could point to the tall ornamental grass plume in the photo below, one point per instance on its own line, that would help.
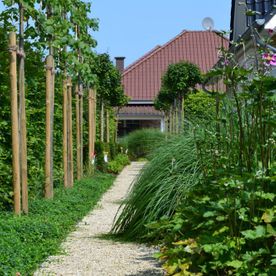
(161, 187)
(142, 142)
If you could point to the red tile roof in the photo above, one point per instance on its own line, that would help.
(139, 110)
(142, 79)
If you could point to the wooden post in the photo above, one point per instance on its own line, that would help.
(94, 116)
(102, 121)
(81, 130)
(14, 122)
(91, 124)
(65, 132)
(107, 126)
(78, 133)
(70, 136)
(22, 115)
(49, 128)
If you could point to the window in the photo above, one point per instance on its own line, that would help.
(262, 7)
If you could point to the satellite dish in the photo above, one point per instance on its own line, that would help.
(208, 23)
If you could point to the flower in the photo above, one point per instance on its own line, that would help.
(269, 59)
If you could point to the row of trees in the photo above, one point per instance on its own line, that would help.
(59, 33)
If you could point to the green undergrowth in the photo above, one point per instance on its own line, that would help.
(27, 241)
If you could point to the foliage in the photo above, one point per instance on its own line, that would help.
(223, 222)
(181, 78)
(178, 81)
(141, 143)
(28, 240)
(226, 226)
(163, 184)
(65, 28)
(110, 89)
(200, 107)
(116, 166)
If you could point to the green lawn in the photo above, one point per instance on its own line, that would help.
(26, 241)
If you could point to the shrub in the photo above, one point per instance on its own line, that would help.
(163, 184)
(141, 143)
(99, 151)
(115, 166)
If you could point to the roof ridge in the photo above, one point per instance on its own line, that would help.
(151, 53)
(159, 48)
(142, 57)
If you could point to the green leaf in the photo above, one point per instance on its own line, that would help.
(209, 214)
(259, 232)
(235, 264)
(268, 215)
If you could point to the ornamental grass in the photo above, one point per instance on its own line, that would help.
(163, 184)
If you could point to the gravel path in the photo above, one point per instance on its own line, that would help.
(88, 255)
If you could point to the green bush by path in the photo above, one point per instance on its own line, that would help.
(26, 241)
(140, 143)
(115, 166)
(163, 184)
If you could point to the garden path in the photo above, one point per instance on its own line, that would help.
(86, 254)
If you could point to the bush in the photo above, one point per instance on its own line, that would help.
(28, 240)
(161, 187)
(115, 166)
(141, 143)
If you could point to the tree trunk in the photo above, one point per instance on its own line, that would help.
(70, 136)
(14, 123)
(49, 128)
(81, 131)
(179, 103)
(107, 127)
(65, 131)
(22, 115)
(102, 121)
(78, 133)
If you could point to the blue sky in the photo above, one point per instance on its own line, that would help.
(130, 28)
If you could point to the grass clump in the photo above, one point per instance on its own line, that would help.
(140, 143)
(161, 187)
(26, 241)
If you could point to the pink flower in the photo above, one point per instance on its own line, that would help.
(269, 59)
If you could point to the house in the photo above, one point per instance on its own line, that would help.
(142, 79)
(252, 22)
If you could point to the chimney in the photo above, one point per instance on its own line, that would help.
(120, 64)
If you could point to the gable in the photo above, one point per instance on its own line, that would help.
(142, 79)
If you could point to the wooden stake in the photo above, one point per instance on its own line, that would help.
(22, 115)
(78, 133)
(94, 116)
(107, 126)
(102, 121)
(65, 132)
(70, 136)
(14, 122)
(90, 124)
(81, 131)
(49, 128)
